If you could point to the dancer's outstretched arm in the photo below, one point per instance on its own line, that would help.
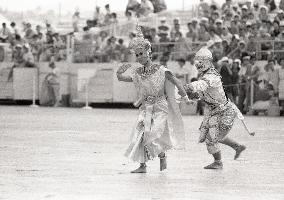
(178, 84)
(121, 76)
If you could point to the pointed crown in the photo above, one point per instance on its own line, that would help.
(203, 54)
(139, 41)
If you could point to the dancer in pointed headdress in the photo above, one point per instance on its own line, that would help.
(219, 119)
(159, 126)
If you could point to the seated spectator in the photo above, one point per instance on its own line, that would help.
(120, 51)
(270, 4)
(226, 35)
(159, 5)
(265, 45)
(4, 33)
(226, 47)
(276, 29)
(28, 57)
(263, 15)
(182, 72)
(240, 51)
(219, 27)
(29, 32)
(113, 18)
(146, 8)
(133, 6)
(175, 30)
(203, 35)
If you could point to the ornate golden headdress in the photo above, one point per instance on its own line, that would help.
(203, 54)
(139, 41)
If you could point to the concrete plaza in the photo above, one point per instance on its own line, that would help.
(71, 153)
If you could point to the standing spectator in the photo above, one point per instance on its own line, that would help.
(51, 87)
(280, 87)
(98, 17)
(75, 21)
(236, 66)
(14, 30)
(107, 15)
(248, 73)
(17, 60)
(226, 77)
(4, 33)
(159, 5)
(29, 33)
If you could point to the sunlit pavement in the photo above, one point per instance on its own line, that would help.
(71, 153)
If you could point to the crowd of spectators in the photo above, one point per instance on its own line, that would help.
(32, 44)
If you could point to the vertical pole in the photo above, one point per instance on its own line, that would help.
(251, 93)
(34, 92)
(87, 107)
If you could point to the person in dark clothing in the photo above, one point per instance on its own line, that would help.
(226, 77)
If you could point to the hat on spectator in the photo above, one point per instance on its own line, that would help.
(242, 42)
(224, 59)
(18, 46)
(26, 45)
(280, 11)
(263, 7)
(244, 7)
(204, 19)
(225, 40)
(163, 19)
(220, 21)
(163, 28)
(237, 36)
(218, 40)
(194, 19)
(210, 43)
(237, 61)
(248, 23)
(246, 58)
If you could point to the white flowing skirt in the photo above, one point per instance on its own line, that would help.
(151, 133)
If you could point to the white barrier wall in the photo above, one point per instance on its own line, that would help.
(103, 85)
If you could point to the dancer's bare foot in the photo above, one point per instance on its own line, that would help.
(141, 169)
(163, 161)
(215, 165)
(239, 150)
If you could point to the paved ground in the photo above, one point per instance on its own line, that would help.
(59, 153)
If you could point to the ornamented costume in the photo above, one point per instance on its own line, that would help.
(159, 126)
(221, 112)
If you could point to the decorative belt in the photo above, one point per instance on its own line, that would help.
(153, 99)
